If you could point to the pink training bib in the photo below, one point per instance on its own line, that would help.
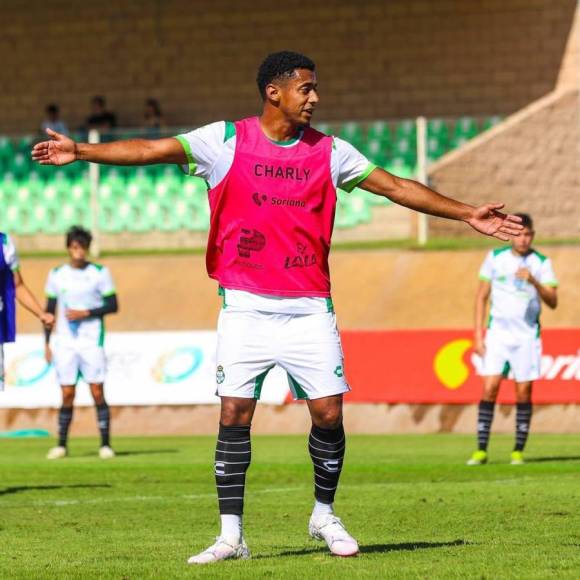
(272, 215)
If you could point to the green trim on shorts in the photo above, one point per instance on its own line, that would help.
(298, 391)
(191, 164)
(222, 293)
(102, 334)
(506, 370)
(329, 305)
(259, 382)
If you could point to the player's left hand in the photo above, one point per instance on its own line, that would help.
(524, 274)
(59, 150)
(488, 220)
(73, 315)
(47, 319)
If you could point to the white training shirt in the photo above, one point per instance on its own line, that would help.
(210, 152)
(515, 304)
(9, 251)
(79, 289)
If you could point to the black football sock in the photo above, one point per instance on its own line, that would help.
(65, 416)
(327, 447)
(484, 420)
(104, 422)
(523, 419)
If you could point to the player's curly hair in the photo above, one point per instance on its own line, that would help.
(80, 235)
(280, 65)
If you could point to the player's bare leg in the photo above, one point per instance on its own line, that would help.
(485, 413)
(523, 420)
(327, 445)
(232, 459)
(65, 415)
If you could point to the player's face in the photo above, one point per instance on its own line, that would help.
(77, 253)
(522, 243)
(298, 96)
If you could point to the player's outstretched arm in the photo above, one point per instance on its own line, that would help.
(486, 219)
(28, 300)
(62, 150)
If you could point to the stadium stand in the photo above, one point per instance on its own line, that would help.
(39, 199)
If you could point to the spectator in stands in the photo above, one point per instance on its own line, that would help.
(153, 117)
(100, 118)
(53, 120)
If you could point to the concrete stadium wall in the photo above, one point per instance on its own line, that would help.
(380, 289)
(391, 289)
(376, 59)
(531, 162)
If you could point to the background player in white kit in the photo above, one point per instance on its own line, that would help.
(81, 293)
(518, 279)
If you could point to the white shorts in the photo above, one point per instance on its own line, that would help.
(505, 352)
(306, 346)
(72, 361)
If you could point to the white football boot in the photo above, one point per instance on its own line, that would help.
(105, 452)
(221, 550)
(330, 529)
(57, 452)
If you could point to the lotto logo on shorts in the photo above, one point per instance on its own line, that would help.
(220, 376)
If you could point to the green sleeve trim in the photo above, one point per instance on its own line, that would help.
(484, 278)
(350, 185)
(107, 294)
(50, 295)
(230, 131)
(191, 164)
(541, 256)
(16, 268)
(551, 283)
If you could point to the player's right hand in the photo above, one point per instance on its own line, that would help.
(47, 354)
(479, 347)
(59, 150)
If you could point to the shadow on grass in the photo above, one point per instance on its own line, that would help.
(548, 459)
(21, 488)
(374, 548)
(138, 452)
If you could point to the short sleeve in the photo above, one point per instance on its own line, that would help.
(349, 166)
(50, 288)
(10, 255)
(486, 270)
(202, 148)
(547, 275)
(106, 284)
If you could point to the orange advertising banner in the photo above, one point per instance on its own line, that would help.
(439, 366)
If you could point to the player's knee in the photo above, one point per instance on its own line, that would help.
(68, 398)
(330, 418)
(233, 414)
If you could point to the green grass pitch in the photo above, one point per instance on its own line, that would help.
(416, 509)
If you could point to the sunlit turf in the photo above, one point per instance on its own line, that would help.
(416, 509)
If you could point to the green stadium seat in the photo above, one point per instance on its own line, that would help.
(465, 127)
(379, 131)
(436, 147)
(406, 129)
(437, 129)
(376, 152)
(397, 166)
(352, 132)
(490, 122)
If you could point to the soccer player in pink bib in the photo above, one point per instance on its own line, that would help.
(272, 193)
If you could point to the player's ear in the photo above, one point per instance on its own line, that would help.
(273, 93)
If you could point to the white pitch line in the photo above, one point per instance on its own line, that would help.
(136, 498)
